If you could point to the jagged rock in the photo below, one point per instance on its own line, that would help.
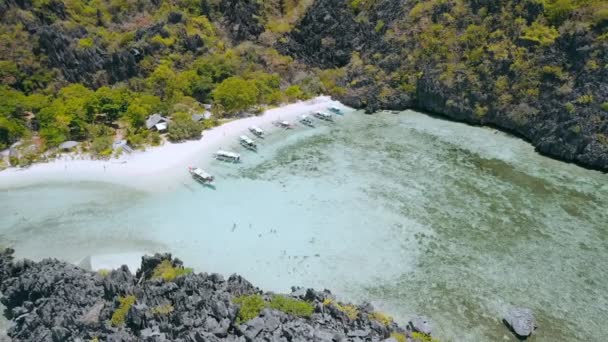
(242, 18)
(421, 324)
(521, 321)
(54, 301)
(92, 316)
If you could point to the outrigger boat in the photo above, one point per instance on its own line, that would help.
(283, 124)
(307, 121)
(201, 176)
(324, 116)
(258, 132)
(336, 110)
(247, 143)
(227, 156)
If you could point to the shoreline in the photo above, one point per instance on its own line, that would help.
(138, 168)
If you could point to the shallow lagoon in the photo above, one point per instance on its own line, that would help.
(413, 213)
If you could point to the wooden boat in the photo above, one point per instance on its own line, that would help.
(324, 116)
(227, 156)
(307, 121)
(336, 110)
(201, 176)
(248, 143)
(258, 132)
(283, 124)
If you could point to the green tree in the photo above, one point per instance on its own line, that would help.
(182, 127)
(164, 83)
(235, 94)
(294, 92)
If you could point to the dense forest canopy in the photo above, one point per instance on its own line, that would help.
(93, 71)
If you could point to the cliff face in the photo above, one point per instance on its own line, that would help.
(55, 301)
(537, 68)
(532, 69)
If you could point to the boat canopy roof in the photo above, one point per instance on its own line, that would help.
(228, 154)
(246, 139)
(201, 173)
(256, 129)
(285, 123)
(324, 114)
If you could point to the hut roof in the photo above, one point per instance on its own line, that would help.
(68, 145)
(155, 119)
(197, 117)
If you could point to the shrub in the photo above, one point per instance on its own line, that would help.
(292, 306)
(604, 106)
(103, 272)
(163, 309)
(381, 318)
(250, 307)
(569, 107)
(585, 99)
(399, 337)
(420, 337)
(166, 271)
(118, 317)
(349, 310)
(85, 43)
(102, 146)
(541, 34)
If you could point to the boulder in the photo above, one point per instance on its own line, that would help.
(521, 321)
(421, 324)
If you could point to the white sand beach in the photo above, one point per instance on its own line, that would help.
(139, 168)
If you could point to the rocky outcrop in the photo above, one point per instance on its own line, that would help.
(393, 60)
(328, 35)
(242, 18)
(55, 301)
(521, 321)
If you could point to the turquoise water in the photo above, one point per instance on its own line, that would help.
(412, 213)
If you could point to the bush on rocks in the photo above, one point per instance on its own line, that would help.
(251, 306)
(350, 311)
(165, 270)
(291, 306)
(381, 318)
(118, 317)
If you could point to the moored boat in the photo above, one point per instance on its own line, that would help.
(283, 124)
(201, 176)
(307, 121)
(324, 116)
(336, 110)
(248, 143)
(258, 132)
(227, 156)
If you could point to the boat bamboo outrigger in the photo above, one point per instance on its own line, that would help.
(307, 121)
(227, 156)
(201, 176)
(258, 132)
(247, 143)
(336, 110)
(324, 116)
(283, 124)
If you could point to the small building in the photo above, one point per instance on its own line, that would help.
(123, 145)
(68, 145)
(157, 122)
(197, 117)
(206, 115)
